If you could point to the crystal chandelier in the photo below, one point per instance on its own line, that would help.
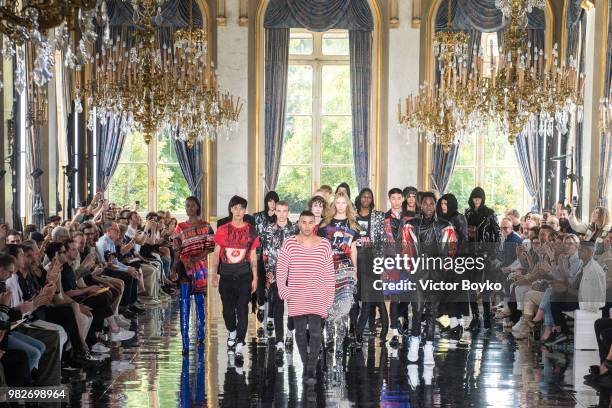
(29, 23)
(524, 92)
(445, 113)
(530, 93)
(156, 85)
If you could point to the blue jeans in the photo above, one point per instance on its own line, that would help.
(33, 348)
(545, 306)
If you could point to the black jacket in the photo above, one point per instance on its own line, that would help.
(457, 220)
(482, 223)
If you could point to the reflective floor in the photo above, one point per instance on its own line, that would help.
(495, 371)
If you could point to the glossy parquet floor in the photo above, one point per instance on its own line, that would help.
(484, 371)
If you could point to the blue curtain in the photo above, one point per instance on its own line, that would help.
(190, 160)
(276, 66)
(175, 13)
(109, 146)
(317, 15)
(605, 160)
(360, 43)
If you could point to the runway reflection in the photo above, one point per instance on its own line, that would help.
(479, 371)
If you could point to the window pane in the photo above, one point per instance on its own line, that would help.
(300, 44)
(172, 189)
(504, 188)
(294, 186)
(461, 185)
(332, 176)
(134, 149)
(336, 91)
(129, 184)
(165, 148)
(467, 153)
(299, 89)
(336, 43)
(337, 140)
(498, 152)
(297, 144)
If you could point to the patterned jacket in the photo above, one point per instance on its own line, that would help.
(376, 237)
(273, 237)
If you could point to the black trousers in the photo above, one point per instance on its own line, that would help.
(100, 309)
(558, 305)
(603, 333)
(235, 296)
(260, 293)
(397, 310)
(130, 291)
(309, 344)
(278, 312)
(15, 370)
(366, 315)
(63, 315)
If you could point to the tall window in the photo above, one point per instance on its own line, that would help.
(151, 176)
(490, 162)
(318, 142)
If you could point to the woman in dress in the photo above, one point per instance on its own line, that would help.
(193, 241)
(340, 227)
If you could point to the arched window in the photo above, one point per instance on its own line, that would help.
(151, 176)
(318, 143)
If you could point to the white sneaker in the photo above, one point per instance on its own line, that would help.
(100, 348)
(122, 335)
(99, 357)
(427, 374)
(413, 350)
(413, 376)
(428, 357)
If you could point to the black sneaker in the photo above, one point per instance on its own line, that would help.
(260, 315)
(394, 342)
(555, 338)
(474, 324)
(136, 309)
(487, 323)
(270, 327)
(455, 334)
(404, 330)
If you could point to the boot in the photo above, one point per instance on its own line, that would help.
(200, 308)
(185, 309)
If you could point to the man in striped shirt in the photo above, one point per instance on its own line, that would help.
(306, 280)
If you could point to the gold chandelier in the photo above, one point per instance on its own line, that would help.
(444, 112)
(523, 92)
(162, 85)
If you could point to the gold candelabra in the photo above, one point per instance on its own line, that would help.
(521, 84)
(161, 84)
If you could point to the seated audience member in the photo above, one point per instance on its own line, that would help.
(113, 268)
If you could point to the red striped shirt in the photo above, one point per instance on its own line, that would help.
(306, 277)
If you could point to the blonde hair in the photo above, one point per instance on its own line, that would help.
(350, 213)
(603, 217)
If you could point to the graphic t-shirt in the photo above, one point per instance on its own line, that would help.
(194, 241)
(273, 237)
(236, 243)
(341, 237)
